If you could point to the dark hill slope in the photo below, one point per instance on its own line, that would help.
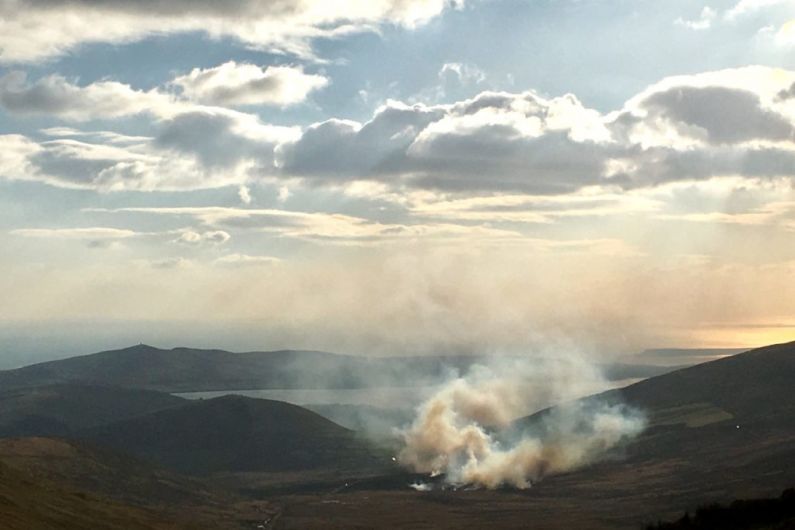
(58, 410)
(753, 386)
(234, 433)
(750, 386)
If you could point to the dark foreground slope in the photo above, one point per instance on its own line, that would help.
(748, 514)
(235, 433)
(54, 483)
(27, 504)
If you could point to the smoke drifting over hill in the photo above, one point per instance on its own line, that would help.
(457, 431)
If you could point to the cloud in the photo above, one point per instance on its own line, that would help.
(193, 238)
(205, 147)
(92, 233)
(54, 95)
(245, 194)
(344, 149)
(245, 260)
(704, 21)
(745, 8)
(463, 73)
(31, 30)
(785, 36)
(718, 115)
(170, 263)
(734, 122)
(246, 84)
(221, 138)
(334, 228)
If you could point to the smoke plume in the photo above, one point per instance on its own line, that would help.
(468, 431)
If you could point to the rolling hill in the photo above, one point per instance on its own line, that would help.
(235, 433)
(62, 409)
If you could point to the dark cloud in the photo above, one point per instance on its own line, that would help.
(725, 115)
(215, 138)
(340, 149)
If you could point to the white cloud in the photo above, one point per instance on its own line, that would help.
(241, 260)
(327, 227)
(34, 29)
(462, 72)
(92, 233)
(747, 7)
(191, 237)
(245, 194)
(246, 84)
(785, 36)
(704, 21)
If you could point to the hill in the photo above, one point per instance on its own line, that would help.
(55, 483)
(195, 370)
(86, 467)
(234, 433)
(61, 409)
(27, 503)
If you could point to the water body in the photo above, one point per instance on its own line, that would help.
(385, 397)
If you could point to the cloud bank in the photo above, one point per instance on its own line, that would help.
(729, 123)
(32, 30)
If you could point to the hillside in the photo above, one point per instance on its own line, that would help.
(86, 467)
(54, 483)
(235, 433)
(39, 504)
(195, 370)
(61, 409)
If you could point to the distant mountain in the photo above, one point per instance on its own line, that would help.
(194, 370)
(235, 433)
(685, 356)
(186, 370)
(61, 409)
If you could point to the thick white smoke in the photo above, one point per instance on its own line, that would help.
(461, 430)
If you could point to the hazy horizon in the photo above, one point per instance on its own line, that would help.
(424, 176)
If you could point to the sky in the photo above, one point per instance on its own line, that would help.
(386, 177)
